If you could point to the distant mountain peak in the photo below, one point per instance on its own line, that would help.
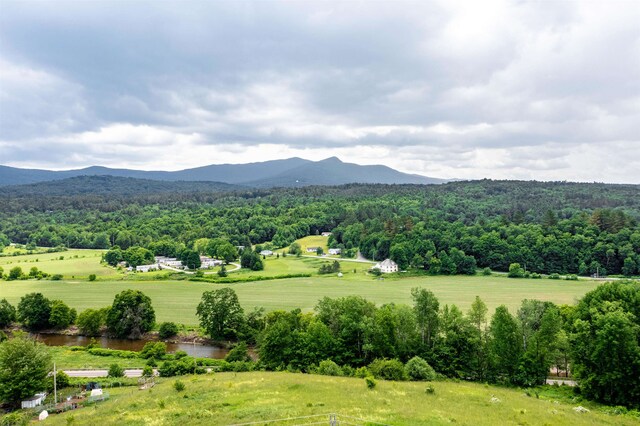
(290, 172)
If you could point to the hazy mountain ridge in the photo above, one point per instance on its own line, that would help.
(291, 172)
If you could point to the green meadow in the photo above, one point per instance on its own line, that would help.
(236, 398)
(177, 300)
(70, 263)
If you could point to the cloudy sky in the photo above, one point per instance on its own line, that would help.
(528, 90)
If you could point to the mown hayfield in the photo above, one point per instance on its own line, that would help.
(70, 263)
(232, 398)
(177, 300)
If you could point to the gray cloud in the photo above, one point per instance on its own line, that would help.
(426, 87)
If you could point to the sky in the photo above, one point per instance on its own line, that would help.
(545, 90)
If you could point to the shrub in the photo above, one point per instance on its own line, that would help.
(571, 277)
(430, 390)
(486, 271)
(370, 381)
(179, 386)
(153, 350)
(62, 381)
(515, 271)
(147, 371)
(15, 273)
(167, 329)
(112, 352)
(56, 277)
(361, 372)
(418, 369)
(115, 371)
(329, 368)
(92, 277)
(17, 418)
(554, 276)
(388, 369)
(238, 353)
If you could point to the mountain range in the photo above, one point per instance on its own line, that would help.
(291, 172)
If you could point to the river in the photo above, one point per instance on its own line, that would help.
(195, 350)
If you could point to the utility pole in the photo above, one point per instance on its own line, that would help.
(55, 385)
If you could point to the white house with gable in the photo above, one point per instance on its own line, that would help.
(386, 266)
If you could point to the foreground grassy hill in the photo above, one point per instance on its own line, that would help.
(232, 398)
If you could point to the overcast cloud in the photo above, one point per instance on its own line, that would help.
(471, 89)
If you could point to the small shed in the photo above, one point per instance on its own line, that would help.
(34, 401)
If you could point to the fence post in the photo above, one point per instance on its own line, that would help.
(333, 421)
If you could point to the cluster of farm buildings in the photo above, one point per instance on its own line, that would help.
(162, 262)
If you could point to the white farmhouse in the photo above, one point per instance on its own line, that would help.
(326, 234)
(266, 253)
(312, 249)
(387, 266)
(335, 251)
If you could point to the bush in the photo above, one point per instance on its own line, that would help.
(554, 276)
(371, 382)
(179, 386)
(115, 371)
(388, 369)
(167, 329)
(147, 371)
(239, 352)
(515, 271)
(153, 350)
(17, 418)
(361, 372)
(62, 381)
(418, 369)
(56, 277)
(92, 277)
(329, 368)
(112, 352)
(430, 390)
(486, 271)
(571, 277)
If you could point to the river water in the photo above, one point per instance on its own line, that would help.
(195, 350)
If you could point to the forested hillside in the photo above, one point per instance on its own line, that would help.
(552, 227)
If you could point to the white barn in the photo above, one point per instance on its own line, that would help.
(335, 251)
(387, 266)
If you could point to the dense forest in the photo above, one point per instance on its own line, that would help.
(554, 227)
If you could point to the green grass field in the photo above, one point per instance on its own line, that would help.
(233, 398)
(177, 300)
(75, 263)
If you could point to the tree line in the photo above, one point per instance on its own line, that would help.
(547, 228)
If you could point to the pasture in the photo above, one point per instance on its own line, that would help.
(70, 263)
(177, 300)
(232, 398)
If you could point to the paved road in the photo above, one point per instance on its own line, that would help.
(131, 372)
